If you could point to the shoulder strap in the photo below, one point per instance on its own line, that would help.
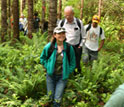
(68, 52)
(78, 23)
(77, 20)
(62, 23)
(52, 46)
(50, 50)
(100, 30)
(88, 28)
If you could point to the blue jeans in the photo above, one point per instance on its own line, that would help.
(55, 86)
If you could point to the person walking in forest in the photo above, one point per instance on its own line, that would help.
(23, 24)
(74, 33)
(36, 22)
(91, 45)
(117, 98)
(59, 63)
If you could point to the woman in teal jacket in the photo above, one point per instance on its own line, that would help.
(58, 65)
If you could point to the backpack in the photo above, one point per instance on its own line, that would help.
(89, 26)
(52, 46)
(78, 23)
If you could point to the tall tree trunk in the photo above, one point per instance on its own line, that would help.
(22, 5)
(52, 16)
(30, 18)
(3, 19)
(16, 20)
(9, 17)
(60, 9)
(99, 12)
(43, 14)
(82, 6)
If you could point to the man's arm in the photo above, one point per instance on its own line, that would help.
(82, 34)
(101, 44)
(102, 40)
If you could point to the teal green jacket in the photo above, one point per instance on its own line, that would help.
(117, 98)
(49, 64)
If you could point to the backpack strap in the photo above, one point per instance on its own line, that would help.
(68, 52)
(62, 23)
(78, 23)
(77, 20)
(100, 31)
(50, 50)
(88, 28)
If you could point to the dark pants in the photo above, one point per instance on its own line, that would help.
(89, 55)
(78, 52)
(21, 27)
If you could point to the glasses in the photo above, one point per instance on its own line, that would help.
(68, 16)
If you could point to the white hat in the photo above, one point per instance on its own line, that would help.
(59, 30)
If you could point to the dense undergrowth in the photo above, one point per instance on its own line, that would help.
(23, 82)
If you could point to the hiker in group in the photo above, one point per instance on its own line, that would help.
(36, 22)
(45, 26)
(91, 45)
(23, 24)
(74, 33)
(117, 98)
(58, 58)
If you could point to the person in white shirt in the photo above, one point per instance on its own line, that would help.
(24, 23)
(74, 33)
(91, 45)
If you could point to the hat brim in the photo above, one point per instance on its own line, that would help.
(60, 32)
(95, 21)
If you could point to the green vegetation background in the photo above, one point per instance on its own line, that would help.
(22, 77)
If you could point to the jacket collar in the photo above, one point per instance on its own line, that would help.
(64, 43)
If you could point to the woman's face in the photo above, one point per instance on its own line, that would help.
(60, 37)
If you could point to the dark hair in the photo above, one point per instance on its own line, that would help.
(53, 40)
(36, 14)
(90, 22)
